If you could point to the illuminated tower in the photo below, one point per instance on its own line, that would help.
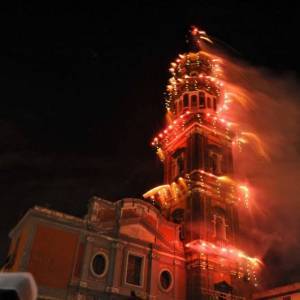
(200, 191)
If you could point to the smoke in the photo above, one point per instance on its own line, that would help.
(265, 109)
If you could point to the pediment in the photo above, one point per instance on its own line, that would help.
(138, 232)
(142, 232)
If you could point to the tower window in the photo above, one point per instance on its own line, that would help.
(185, 100)
(208, 102)
(134, 269)
(220, 228)
(178, 163)
(201, 100)
(219, 224)
(214, 164)
(194, 100)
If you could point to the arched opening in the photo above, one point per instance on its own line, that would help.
(219, 224)
(185, 100)
(213, 163)
(215, 160)
(201, 100)
(194, 101)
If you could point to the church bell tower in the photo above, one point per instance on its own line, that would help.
(200, 190)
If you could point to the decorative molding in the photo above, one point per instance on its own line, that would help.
(154, 255)
(83, 284)
(177, 262)
(112, 289)
(116, 245)
(91, 239)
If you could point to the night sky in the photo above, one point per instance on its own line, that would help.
(82, 91)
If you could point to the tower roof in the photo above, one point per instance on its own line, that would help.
(194, 71)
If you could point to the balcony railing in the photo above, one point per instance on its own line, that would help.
(219, 295)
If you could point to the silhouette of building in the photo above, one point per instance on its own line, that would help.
(181, 241)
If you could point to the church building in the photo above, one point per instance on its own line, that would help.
(181, 240)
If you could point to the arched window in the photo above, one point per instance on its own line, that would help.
(219, 223)
(185, 100)
(201, 100)
(180, 164)
(215, 160)
(194, 101)
(220, 228)
(214, 164)
(177, 163)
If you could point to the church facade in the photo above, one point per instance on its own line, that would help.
(120, 249)
(182, 240)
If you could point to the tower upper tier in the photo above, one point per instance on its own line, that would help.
(195, 84)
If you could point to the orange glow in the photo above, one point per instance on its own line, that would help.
(167, 193)
(245, 190)
(155, 190)
(227, 252)
(258, 144)
(215, 117)
(160, 154)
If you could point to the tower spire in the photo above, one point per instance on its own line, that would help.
(196, 38)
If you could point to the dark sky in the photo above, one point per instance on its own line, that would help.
(82, 91)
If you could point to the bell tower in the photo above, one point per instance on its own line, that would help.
(200, 190)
